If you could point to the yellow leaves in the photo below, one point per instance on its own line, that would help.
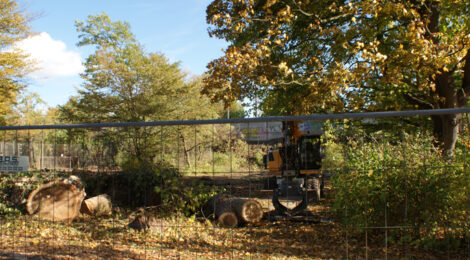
(380, 57)
(215, 18)
(353, 19)
(263, 80)
(284, 69)
(284, 12)
(238, 27)
(269, 3)
(282, 66)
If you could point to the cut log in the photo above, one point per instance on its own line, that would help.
(56, 201)
(247, 210)
(224, 214)
(98, 206)
(232, 211)
(227, 219)
(214, 202)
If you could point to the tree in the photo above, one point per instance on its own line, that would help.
(14, 27)
(123, 83)
(311, 56)
(30, 110)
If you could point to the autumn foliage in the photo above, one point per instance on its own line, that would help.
(302, 57)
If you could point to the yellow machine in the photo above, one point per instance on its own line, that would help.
(295, 166)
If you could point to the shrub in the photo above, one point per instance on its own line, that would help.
(405, 184)
(185, 198)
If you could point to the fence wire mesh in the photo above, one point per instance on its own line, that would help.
(384, 190)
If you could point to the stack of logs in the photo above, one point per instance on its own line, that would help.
(233, 211)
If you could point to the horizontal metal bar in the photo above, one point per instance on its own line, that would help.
(248, 120)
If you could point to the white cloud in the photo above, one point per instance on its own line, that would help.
(52, 58)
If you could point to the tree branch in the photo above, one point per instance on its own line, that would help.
(419, 102)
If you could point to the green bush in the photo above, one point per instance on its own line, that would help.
(404, 184)
(185, 198)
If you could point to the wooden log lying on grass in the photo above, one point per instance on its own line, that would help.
(98, 205)
(56, 201)
(214, 202)
(225, 215)
(247, 210)
(232, 211)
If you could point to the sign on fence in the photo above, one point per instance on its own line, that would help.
(271, 131)
(259, 132)
(14, 163)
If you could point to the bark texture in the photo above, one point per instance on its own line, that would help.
(98, 205)
(56, 201)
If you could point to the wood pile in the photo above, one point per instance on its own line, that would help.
(233, 211)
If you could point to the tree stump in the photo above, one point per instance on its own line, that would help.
(98, 205)
(146, 221)
(142, 222)
(56, 201)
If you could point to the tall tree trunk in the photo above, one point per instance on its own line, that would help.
(446, 127)
(186, 151)
(446, 132)
(32, 159)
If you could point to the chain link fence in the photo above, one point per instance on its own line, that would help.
(383, 189)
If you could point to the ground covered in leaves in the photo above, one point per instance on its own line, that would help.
(189, 238)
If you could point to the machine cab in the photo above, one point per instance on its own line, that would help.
(310, 152)
(273, 162)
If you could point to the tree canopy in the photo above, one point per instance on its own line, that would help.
(123, 83)
(14, 27)
(312, 56)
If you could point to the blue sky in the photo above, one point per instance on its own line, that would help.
(175, 28)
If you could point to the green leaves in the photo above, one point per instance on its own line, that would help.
(99, 30)
(404, 183)
(14, 26)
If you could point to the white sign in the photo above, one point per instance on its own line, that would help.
(14, 163)
(312, 127)
(267, 131)
(260, 131)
